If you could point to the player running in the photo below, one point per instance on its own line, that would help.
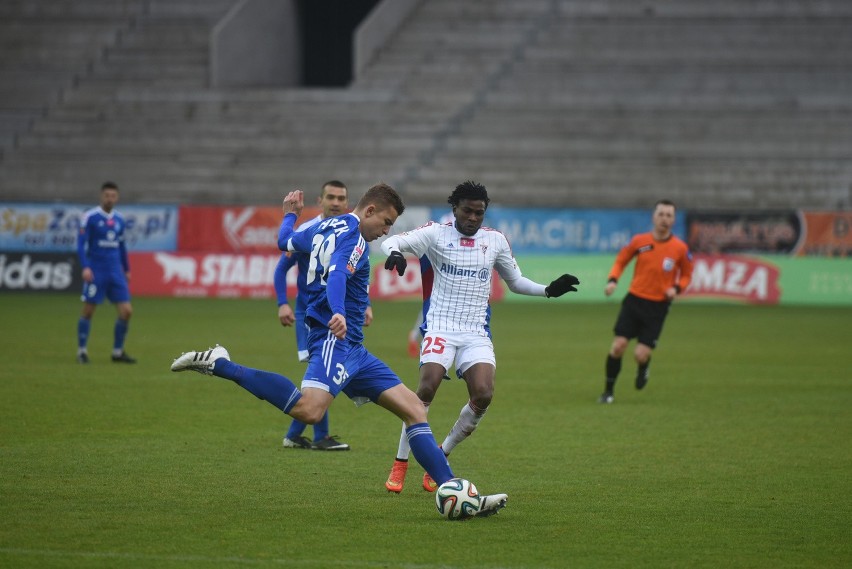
(463, 255)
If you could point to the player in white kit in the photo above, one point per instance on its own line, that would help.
(463, 255)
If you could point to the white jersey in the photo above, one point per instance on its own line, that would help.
(463, 272)
(309, 223)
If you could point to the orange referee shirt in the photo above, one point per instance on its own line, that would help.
(659, 265)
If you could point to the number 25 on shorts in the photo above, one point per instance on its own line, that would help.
(433, 345)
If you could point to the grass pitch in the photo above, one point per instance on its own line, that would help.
(737, 454)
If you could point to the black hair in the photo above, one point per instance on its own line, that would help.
(334, 184)
(469, 190)
(665, 202)
(109, 186)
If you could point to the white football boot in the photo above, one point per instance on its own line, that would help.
(202, 362)
(491, 504)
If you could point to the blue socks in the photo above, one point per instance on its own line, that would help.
(83, 327)
(119, 332)
(296, 429)
(272, 387)
(320, 429)
(427, 453)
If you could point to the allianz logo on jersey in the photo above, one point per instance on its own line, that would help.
(482, 274)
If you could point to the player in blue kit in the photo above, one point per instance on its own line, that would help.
(103, 256)
(338, 294)
(333, 200)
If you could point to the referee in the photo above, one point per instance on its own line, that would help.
(662, 272)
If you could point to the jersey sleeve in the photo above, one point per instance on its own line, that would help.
(279, 277)
(348, 251)
(286, 230)
(122, 255)
(685, 267)
(622, 259)
(82, 238)
(505, 263)
(299, 242)
(416, 241)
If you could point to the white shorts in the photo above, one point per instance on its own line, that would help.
(463, 348)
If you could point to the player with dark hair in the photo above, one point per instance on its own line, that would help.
(333, 200)
(106, 270)
(463, 255)
(663, 271)
(338, 294)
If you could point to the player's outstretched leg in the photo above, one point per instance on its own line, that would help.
(266, 385)
(202, 362)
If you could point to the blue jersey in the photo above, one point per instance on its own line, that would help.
(337, 280)
(285, 263)
(100, 243)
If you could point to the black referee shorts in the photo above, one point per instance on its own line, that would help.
(642, 319)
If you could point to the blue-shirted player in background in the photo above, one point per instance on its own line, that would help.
(338, 294)
(333, 200)
(103, 256)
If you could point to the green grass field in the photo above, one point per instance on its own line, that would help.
(737, 454)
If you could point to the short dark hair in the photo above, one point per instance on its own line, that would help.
(469, 190)
(382, 195)
(333, 184)
(665, 202)
(109, 186)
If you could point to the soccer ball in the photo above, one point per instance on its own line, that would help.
(457, 499)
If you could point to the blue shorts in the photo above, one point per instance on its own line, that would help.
(108, 282)
(339, 365)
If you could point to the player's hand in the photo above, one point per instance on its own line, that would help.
(610, 288)
(368, 316)
(88, 275)
(396, 261)
(293, 202)
(560, 286)
(285, 315)
(337, 325)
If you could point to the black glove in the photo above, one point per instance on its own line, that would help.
(396, 261)
(560, 286)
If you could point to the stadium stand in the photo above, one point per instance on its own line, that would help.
(609, 103)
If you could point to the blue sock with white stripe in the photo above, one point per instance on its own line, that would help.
(426, 452)
(265, 385)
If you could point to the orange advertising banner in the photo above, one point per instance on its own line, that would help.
(827, 234)
(233, 229)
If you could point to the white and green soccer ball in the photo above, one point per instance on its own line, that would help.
(457, 499)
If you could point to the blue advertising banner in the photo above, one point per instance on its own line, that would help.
(53, 228)
(561, 231)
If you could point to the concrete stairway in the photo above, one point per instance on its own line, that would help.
(723, 104)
